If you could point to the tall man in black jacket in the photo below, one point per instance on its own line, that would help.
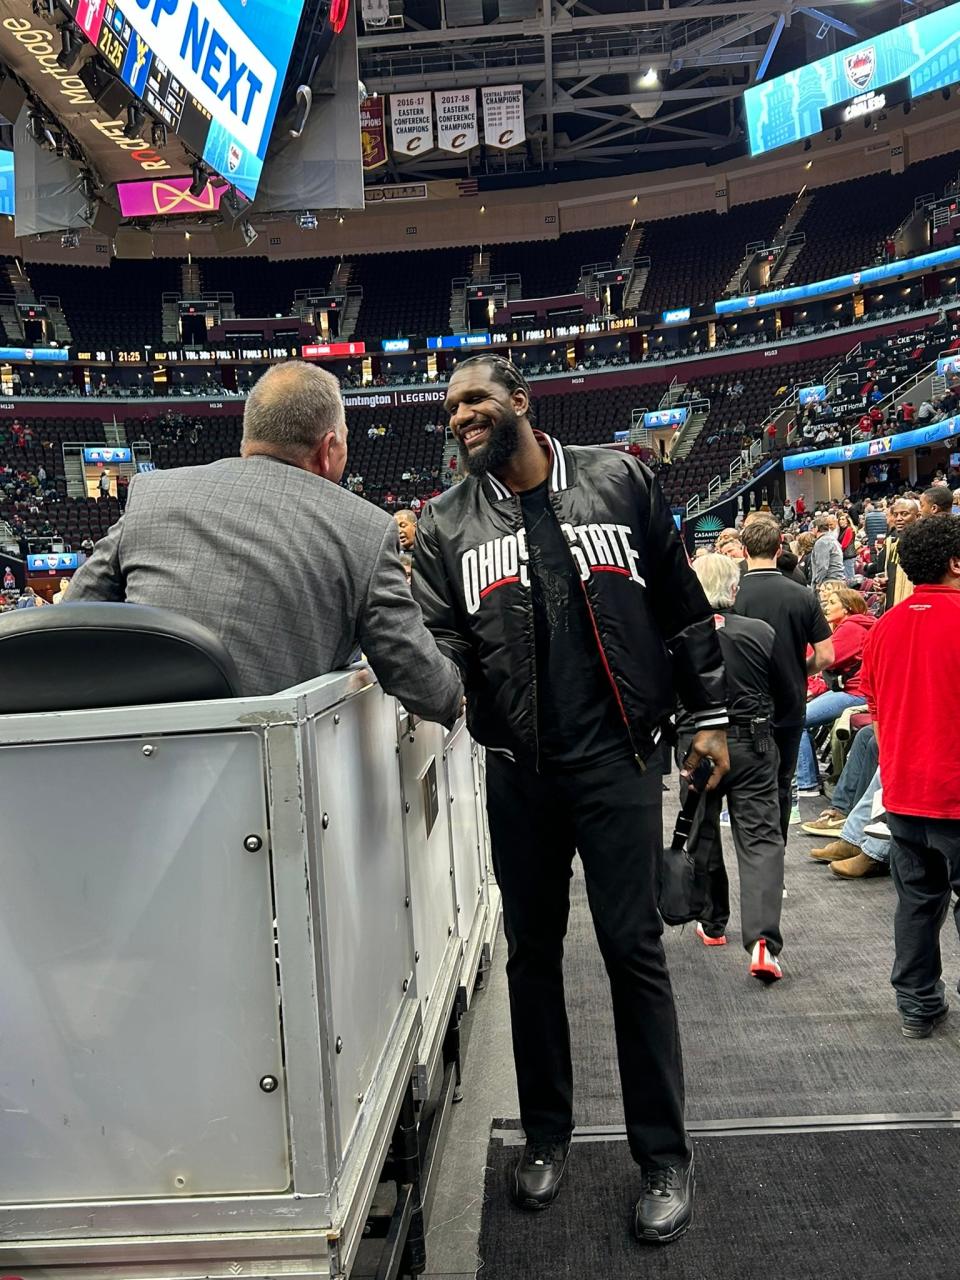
(555, 578)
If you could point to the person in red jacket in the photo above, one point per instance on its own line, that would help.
(839, 687)
(911, 677)
(847, 540)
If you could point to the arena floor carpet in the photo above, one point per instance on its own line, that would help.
(824, 1041)
(811, 1206)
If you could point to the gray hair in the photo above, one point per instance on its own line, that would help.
(720, 577)
(821, 522)
(292, 407)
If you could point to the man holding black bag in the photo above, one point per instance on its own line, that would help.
(757, 692)
(556, 580)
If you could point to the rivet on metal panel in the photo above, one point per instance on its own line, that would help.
(179, 1181)
(406, 902)
(359, 1098)
(406, 807)
(269, 1084)
(339, 1044)
(336, 719)
(148, 750)
(252, 843)
(451, 871)
(413, 738)
(451, 799)
(449, 930)
(326, 821)
(416, 957)
(405, 984)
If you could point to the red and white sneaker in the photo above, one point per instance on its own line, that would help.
(763, 965)
(707, 940)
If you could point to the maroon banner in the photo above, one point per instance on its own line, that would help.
(373, 134)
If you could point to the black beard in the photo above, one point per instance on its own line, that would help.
(502, 444)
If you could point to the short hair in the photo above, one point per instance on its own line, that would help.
(851, 600)
(408, 512)
(501, 369)
(821, 521)
(761, 538)
(927, 548)
(293, 406)
(727, 535)
(719, 577)
(939, 496)
(913, 503)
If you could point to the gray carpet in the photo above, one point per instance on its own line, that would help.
(824, 1041)
(826, 1206)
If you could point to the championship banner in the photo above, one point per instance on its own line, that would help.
(457, 120)
(503, 122)
(411, 122)
(373, 134)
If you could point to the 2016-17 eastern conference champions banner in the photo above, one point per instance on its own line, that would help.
(411, 121)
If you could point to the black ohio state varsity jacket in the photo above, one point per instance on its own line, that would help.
(654, 629)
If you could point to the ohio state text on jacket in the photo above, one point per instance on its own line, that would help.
(653, 626)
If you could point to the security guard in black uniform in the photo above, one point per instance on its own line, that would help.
(757, 691)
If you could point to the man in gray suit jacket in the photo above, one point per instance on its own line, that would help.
(292, 572)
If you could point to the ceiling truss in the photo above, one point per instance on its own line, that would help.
(588, 70)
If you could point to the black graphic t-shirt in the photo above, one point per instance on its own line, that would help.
(579, 722)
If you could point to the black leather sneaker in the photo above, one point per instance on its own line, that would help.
(536, 1179)
(921, 1028)
(665, 1208)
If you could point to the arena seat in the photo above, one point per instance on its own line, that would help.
(391, 307)
(263, 288)
(119, 306)
(693, 257)
(551, 268)
(83, 655)
(838, 242)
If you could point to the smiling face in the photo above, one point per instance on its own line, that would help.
(484, 418)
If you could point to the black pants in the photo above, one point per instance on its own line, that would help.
(750, 789)
(787, 740)
(613, 817)
(925, 864)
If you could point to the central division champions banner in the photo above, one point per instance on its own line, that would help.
(373, 134)
(503, 122)
(457, 120)
(411, 119)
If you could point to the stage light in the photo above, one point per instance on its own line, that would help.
(135, 121)
(837, 134)
(71, 46)
(231, 204)
(158, 134)
(199, 182)
(248, 233)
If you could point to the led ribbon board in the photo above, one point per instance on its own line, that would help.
(211, 69)
(866, 449)
(924, 53)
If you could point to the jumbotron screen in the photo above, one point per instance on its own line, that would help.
(212, 70)
(876, 74)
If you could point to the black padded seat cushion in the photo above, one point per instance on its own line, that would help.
(73, 657)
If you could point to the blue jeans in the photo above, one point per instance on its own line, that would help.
(862, 763)
(821, 710)
(853, 829)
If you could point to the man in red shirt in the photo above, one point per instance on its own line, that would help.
(911, 676)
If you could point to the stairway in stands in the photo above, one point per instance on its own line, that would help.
(340, 284)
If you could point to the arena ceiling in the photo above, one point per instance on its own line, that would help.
(611, 86)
